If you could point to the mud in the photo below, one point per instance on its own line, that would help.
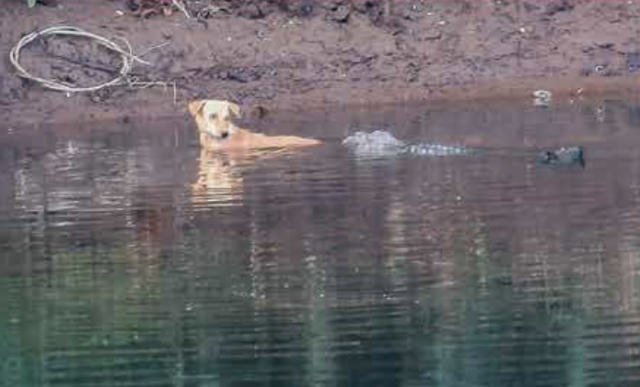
(299, 54)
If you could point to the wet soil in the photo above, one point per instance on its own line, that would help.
(298, 54)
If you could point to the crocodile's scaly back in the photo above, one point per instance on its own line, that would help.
(381, 143)
(437, 150)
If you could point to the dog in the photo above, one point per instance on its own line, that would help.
(218, 132)
(226, 149)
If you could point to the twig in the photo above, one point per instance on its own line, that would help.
(182, 8)
(157, 46)
(96, 67)
(134, 82)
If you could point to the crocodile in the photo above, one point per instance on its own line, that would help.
(381, 143)
(572, 155)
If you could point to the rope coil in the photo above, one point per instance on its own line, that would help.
(126, 54)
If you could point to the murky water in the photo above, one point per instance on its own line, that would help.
(127, 258)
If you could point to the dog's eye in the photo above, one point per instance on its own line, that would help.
(213, 116)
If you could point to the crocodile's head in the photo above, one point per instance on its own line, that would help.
(564, 156)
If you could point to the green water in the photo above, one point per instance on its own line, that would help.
(127, 258)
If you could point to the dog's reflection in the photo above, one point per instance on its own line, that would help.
(221, 175)
(219, 180)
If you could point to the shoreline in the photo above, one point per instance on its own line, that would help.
(434, 52)
(155, 104)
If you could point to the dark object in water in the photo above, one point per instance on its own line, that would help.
(573, 155)
(633, 61)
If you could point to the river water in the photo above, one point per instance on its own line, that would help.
(128, 258)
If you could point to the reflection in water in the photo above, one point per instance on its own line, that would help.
(130, 259)
(219, 180)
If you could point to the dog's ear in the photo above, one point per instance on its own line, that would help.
(195, 107)
(235, 109)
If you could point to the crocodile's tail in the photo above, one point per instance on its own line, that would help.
(436, 150)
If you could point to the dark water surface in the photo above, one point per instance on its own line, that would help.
(127, 258)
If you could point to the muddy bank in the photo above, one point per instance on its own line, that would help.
(300, 54)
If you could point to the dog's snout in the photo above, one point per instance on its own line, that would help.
(224, 135)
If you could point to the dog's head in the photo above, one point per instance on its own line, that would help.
(215, 117)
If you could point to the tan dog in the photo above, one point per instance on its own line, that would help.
(218, 132)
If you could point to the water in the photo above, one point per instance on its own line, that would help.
(130, 259)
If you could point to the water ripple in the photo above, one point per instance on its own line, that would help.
(133, 259)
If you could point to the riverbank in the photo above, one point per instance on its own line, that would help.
(300, 56)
